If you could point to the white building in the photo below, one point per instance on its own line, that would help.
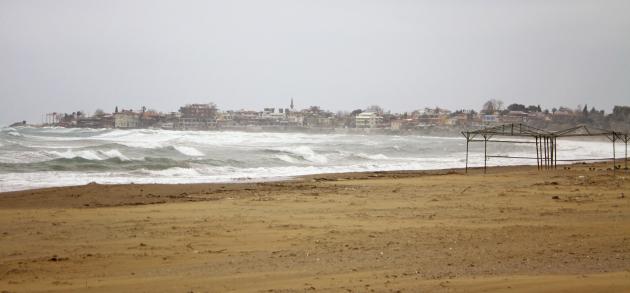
(367, 120)
(272, 114)
(295, 119)
(126, 119)
(489, 119)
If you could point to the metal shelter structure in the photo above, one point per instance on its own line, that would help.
(545, 142)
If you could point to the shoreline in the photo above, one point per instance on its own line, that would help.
(285, 179)
(89, 195)
(146, 190)
(601, 165)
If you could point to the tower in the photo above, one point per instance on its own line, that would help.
(291, 103)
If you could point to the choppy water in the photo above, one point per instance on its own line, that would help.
(44, 157)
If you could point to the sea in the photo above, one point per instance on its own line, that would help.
(35, 157)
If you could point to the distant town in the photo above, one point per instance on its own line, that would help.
(207, 116)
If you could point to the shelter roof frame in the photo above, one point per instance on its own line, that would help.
(545, 140)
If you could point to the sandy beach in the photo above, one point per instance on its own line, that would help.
(514, 229)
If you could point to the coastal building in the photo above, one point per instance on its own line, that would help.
(168, 121)
(515, 117)
(199, 110)
(489, 119)
(432, 117)
(225, 119)
(461, 118)
(96, 121)
(538, 117)
(396, 124)
(319, 121)
(246, 117)
(295, 119)
(367, 120)
(89, 122)
(126, 119)
(150, 118)
(274, 115)
(197, 116)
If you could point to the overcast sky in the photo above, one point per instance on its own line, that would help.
(342, 55)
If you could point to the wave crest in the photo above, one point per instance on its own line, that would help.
(303, 152)
(79, 164)
(189, 151)
(371, 157)
(90, 154)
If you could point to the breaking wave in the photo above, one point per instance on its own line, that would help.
(82, 164)
(189, 151)
(90, 155)
(288, 159)
(299, 152)
(372, 157)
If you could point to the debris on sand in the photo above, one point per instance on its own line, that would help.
(56, 258)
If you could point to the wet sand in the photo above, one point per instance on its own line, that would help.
(512, 230)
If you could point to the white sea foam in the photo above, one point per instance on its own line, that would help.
(137, 138)
(58, 130)
(372, 157)
(306, 153)
(288, 159)
(19, 181)
(114, 154)
(189, 151)
(142, 145)
(172, 172)
(70, 154)
(89, 154)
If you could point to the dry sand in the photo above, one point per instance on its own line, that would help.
(512, 230)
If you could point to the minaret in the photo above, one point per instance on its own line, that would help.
(291, 103)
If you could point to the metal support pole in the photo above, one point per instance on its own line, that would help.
(467, 141)
(540, 146)
(546, 154)
(626, 155)
(553, 151)
(485, 153)
(555, 157)
(549, 153)
(614, 156)
(537, 155)
(544, 146)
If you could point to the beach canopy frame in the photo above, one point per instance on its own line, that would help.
(545, 142)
